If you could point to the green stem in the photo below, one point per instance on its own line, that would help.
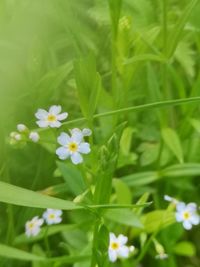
(95, 237)
(159, 104)
(46, 241)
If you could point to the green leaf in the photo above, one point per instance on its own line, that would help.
(88, 85)
(125, 141)
(23, 197)
(115, 9)
(72, 177)
(153, 86)
(187, 169)
(124, 217)
(196, 124)
(172, 140)
(122, 191)
(185, 55)
(141, 178)
(14, 253)
(157, 220)
(175, 35)
(185, 248)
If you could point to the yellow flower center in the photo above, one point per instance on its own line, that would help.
(114, 245)
(73, 147)
(186, 215)
(31, 225)
(51, 216)
(51, 118)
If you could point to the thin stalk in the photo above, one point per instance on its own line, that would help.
(46, 241)
(159, 104)
(95, 236)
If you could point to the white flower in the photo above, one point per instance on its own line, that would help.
(21, 128)
(17, 137)
(187, 214)
(171, 199)
(72, 147)
(118, 247)
(50, 118)
(85, 131)
(32, 228)
(161, 256)
(52, 216)
(34, 136)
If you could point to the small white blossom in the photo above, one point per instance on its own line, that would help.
(118, 248)
(171, 199)
(161, 256)
(21, 128)
(12, 134)
(85, 131)
(72, 147)
(50, 118)
(187, 214)
(18, 137)
(160, 250)
(32, 228)
(34, 136)
(52, 216)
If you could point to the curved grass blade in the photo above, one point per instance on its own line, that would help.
(23, 197)
(14, 253)
(159, 104)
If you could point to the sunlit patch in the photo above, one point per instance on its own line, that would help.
(186, 215)
(51, 118)
(114, 245)
(73, 147)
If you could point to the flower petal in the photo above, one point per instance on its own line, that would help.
(179, 216)
(187, 225)
(55, 110)
(41, 114)
(76, 158)
(77, 137)
(55, 124)
(180, 206)
(84, 148)
(192, 206)
(62, 153)
(112, 255)
(123, 252)
(62, 116)
(113, 238)
(42, 124)
(63, 139)
(86, 132)
(122, 239)
(195, 219)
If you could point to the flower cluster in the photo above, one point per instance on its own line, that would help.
(118, 248)
(72, 145)
(50, 216)
(187, 214)
(23, 134)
